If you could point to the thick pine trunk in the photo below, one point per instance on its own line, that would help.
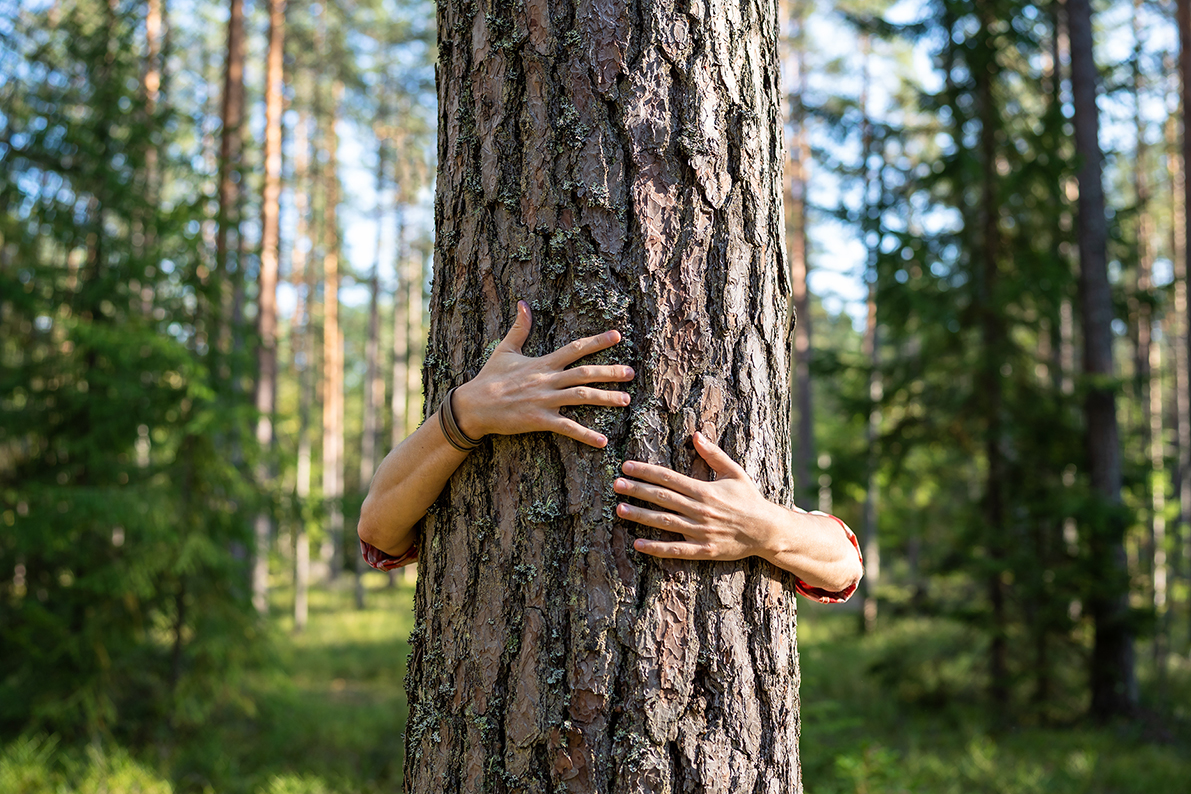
(266, 382)
(1113, 683)
(617, 171)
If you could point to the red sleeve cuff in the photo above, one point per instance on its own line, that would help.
(384, 561)
(829, 596)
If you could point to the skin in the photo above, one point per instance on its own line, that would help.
(725, 519)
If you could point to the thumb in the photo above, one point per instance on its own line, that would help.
(517, 335)
(716, 458)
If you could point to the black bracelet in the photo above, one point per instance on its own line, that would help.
(450, 428)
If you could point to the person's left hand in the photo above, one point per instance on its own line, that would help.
(726, 519)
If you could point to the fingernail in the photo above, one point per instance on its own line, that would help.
(637, 544)
(619, 484)
(603, 440)
(626, 399)
(627, 466)
(628, 372)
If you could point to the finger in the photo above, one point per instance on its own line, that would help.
(673, 550)
(593, 374)
(719, 461)
(586, 395)
(572, 429)
(658, 519)
(662, 497)
(569, 354)
(517, 335)
(660, 475)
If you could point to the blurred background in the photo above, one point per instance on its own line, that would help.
(216, 236)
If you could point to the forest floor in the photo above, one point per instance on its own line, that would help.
(881, 713)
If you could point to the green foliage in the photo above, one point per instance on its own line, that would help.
(123, 599)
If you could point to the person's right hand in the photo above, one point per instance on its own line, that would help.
(517, 394)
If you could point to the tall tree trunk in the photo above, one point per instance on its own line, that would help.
(332, 551)
(985, 70)
(266, 382)
(374, 385)
(871, 224)
(1113, 682)
(797, 166)
(401, 290)
(1182, 253)
(625, 177)
(301, 331)
(415, 333)
(230, 146)
(1179, 353)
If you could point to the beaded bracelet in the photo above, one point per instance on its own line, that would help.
(450, 428)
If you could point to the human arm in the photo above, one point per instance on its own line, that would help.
(513, 393)
(728, 519)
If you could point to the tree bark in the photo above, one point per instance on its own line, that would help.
(616, 171)
(266, 382)
(332, 550)
(1113, 682)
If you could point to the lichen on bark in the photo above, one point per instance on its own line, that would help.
(617, 165)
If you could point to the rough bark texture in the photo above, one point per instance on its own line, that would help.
(1112, 677)
(618, 167)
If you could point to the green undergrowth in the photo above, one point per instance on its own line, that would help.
(903, 711)
(899, 711)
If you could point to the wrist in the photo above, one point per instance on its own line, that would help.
(466, 416)
(777, 536)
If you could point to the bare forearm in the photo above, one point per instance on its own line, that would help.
(406, 483)
(816, 549)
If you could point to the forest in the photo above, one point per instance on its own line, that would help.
(217, 255)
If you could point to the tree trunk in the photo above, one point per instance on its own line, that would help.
(871, 225)
(1182, 253)
(332, 551)
(230, 145)
(266, 382)
(401, 291)
(374, 385)
(301, 336)
(992, 355)
(1113, 683)
(415, 332)
(616, 172)
(1179, 352)
(797, 166)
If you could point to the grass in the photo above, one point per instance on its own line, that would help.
(330, 711)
